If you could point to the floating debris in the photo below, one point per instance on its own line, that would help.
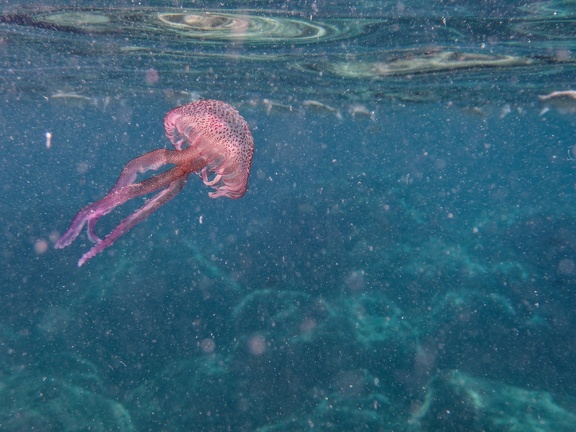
(272, 106)
(86, 20)
(562, 101)
(474, 111)
(359, 112)
(72, 98)
(313, 104)
(322, 108)
(411, 63)
(505, 110)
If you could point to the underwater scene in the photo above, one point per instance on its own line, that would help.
(288, 216)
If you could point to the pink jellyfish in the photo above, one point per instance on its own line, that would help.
(211, 139)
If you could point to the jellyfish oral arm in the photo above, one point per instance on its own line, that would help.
(153, 160)
(138, 216)
(171, 181)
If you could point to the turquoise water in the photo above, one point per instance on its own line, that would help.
(404, 258)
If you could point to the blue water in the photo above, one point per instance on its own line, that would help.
(404, 258)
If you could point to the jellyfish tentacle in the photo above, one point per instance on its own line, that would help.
(149, 161)
(209, 182)
(75, 228)
(91, 232)
(141, 164)
(153, 160)
(138, 216)
(91, 213)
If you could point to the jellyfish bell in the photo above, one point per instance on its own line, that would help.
(221, 137)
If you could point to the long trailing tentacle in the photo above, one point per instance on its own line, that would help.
(124, 189)
(138, 216)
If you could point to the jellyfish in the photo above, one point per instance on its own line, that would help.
(211, 139)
